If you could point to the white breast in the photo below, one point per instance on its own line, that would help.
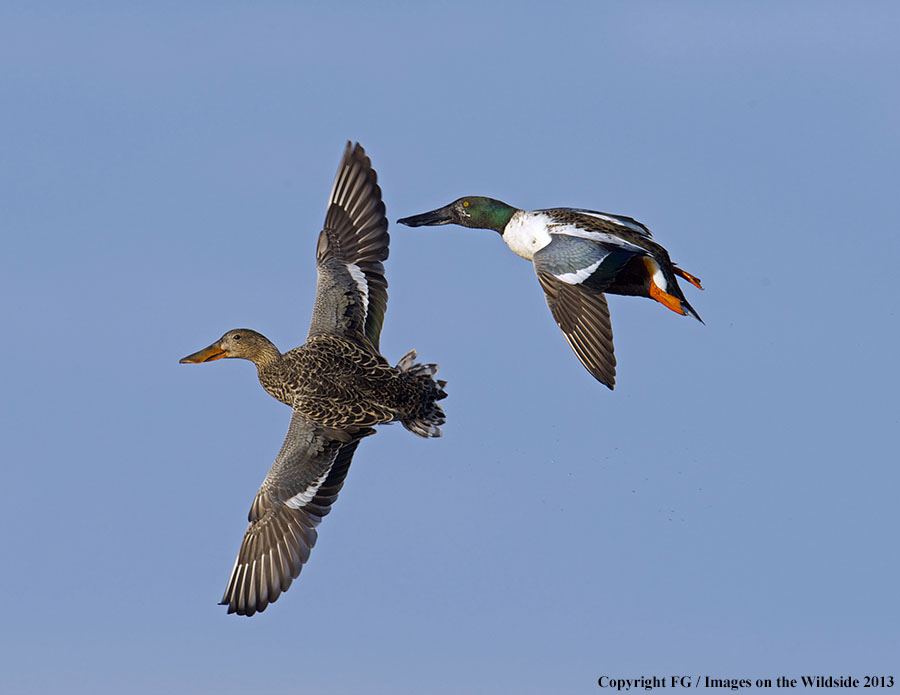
(527, 233)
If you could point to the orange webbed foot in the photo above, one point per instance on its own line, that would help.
(695, 281)
(666, 299)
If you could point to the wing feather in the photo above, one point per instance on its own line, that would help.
(600, 220)
(583, 317)
(299, 490)
(351, 296)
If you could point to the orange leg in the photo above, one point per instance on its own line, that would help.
(687, 276)
(666, 299)
(658, 293)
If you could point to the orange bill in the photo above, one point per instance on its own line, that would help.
(208, 354)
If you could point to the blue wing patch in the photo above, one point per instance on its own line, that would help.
(579, 261)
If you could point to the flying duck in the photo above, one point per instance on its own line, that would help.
(578, 255)
(337, 384)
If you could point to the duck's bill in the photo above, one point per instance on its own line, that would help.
(439, 216)
(208, 354)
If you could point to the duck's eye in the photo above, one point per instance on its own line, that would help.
(465, 203)
(237, 337)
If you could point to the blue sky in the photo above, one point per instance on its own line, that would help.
(730, 509)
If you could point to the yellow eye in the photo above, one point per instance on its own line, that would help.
(465, 203)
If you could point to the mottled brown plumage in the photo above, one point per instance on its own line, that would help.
(337, 384)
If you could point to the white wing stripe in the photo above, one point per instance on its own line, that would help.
(360, 277)
(581, 275)
(615, 219)
(603, 237)
(301, 499)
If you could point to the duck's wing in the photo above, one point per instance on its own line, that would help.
(573, 272)
(583, 261)
(299, 490)
(351, 296)
(583, 316)
(603, 222)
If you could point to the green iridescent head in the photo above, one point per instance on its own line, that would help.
(471, 211)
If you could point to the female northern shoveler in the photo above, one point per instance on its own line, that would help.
(578, 255)
(337, 383)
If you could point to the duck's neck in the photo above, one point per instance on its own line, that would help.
(487, 213)
(269, 368)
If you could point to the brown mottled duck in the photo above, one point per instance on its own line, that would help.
(337, 383)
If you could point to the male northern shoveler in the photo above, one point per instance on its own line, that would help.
(337, 383)
(578, 255)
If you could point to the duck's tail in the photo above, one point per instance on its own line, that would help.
(689, 311)
(425, 419)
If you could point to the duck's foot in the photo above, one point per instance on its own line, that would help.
(695, 281)
(666, 299)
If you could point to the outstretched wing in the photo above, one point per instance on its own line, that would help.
(299, 490)
(583, 316)
(351, 296)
